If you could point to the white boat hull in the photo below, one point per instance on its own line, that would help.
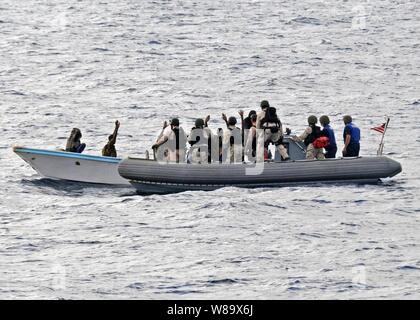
(73, 166)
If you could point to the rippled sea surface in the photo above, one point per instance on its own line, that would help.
(66, 64)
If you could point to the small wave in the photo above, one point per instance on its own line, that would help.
(294, 289)
(312, 235)
(15, 93)
(222, 281)
(408, 267)
(101, 49)
(321, 201)
(136, 285)
(307, 20)
(350, 224)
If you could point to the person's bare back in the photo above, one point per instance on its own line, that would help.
(109, 149)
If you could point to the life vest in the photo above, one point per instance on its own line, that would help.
(354, 133)
(271, 120)
(315, 134)
(321, 142)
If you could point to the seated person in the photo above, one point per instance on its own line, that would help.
(200, 141)
(232, 141)
(73, 142)
(248, 120)
(172, 141)
(251, 142)
(109, 149)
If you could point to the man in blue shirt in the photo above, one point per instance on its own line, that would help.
(328, 132)
(351, 137)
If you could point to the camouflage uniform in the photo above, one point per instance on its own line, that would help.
(311, 152)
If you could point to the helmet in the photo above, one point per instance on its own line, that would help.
(312, 120)
(265, 104)
(347, 119)
(175, 122)
(199, 123)
(232, 121)
(324, 120)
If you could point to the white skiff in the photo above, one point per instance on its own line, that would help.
(73, 166)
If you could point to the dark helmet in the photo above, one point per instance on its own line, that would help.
(175, 122)
(312, 119)
(265, 104)
(199, 123)
(251, 113)
(232, 121)
(347, 119)
(324, 120)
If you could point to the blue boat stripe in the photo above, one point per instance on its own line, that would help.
(68, 155)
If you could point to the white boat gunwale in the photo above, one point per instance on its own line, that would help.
(70, 166)
(66, 154)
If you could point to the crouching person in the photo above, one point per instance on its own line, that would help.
(172, 142)
(311, 133)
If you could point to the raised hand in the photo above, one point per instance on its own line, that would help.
(224, 117)
(117, 124)
(165, 124)
(207, 119)
(241, 113)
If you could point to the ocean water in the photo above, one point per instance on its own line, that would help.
(66, 64)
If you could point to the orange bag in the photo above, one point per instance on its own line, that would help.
(321, 142)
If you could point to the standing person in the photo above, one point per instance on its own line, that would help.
(351, 137)
(109, 150)
(269, 130)
(174, 140)
(311, 133)
(73, 142)
(327, 131)
(232, 141)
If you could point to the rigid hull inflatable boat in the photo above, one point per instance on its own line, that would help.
(70, 166)
(149, 176)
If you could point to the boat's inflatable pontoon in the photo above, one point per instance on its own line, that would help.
(149, 176)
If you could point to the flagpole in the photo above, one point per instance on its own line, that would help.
(381, 145)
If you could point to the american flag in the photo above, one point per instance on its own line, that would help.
(380, 128)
